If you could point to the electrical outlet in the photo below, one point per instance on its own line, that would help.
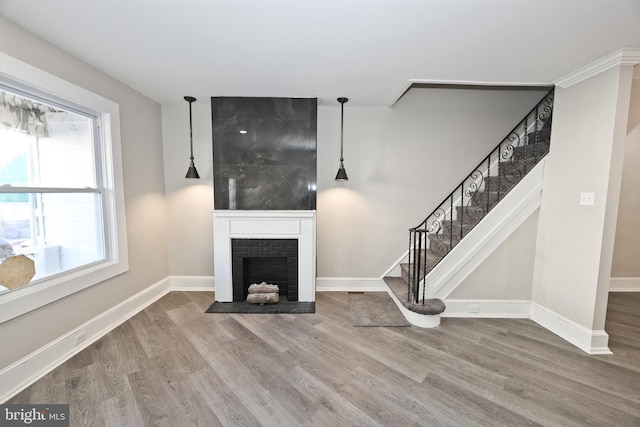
(474, 308)
(79, 338)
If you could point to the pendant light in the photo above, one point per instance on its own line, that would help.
(342, 173)
(192, 172)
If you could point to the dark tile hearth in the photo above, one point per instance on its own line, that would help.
(282, 307)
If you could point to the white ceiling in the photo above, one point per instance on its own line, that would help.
(366, 50)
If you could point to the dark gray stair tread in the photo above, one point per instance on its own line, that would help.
(401, 290)
(480, 198)
(532, 150)
(456, 227)
(506, 183)
(515, 169)
(445, 239)
(429, 307)
(470, 214)
(432, 260)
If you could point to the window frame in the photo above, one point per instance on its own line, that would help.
(26, 78)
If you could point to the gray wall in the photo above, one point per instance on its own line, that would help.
(574, 248)
(625, 254)
(144, 197)
(401, 162)
(507, 274)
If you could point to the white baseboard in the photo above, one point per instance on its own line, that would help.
(624, 284)
(589, 341)
(21, 374)
(192, 283)
(518, 309)
(346, 284)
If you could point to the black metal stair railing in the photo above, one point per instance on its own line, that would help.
(477, 194)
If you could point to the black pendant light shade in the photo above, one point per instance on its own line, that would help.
(192, 172)
(342, 173)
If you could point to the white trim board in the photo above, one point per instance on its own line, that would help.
(20, 75)
(192, 283)
(624, 284)
(512, 309)
(264, 224)
(26, 371)
(587, 340)
(346, 284)
(624, 56)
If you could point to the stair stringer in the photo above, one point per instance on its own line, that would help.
(504, 219)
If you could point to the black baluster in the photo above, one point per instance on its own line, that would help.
(416, 267)
(498, 174)
(451, 221)
(411, 249)
(526, 144)
(461, 209)
(535, 135)
(486, 192)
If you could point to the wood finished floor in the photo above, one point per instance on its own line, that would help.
(173, 365)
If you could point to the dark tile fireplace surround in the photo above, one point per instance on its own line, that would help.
(264, 153)
(274, 261)
(264, 157)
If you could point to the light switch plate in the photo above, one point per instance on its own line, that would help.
(587, 199)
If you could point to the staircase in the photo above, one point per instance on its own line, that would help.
(465, 207)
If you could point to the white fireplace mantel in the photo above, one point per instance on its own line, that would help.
(238, 224)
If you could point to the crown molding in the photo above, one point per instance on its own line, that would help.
(624, 56)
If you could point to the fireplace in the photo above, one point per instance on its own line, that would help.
(274, 261)
(264, 162)
(273, 235)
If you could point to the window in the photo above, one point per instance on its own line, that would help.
(61, 201)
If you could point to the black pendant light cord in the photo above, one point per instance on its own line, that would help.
(190, 100)
(342, 101)
(342, 173)
(192, 172)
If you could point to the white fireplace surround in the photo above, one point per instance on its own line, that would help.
(232, 224)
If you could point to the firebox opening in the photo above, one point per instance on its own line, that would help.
(274, 261)
(272, 270)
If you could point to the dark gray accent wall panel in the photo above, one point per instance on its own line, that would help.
(264, 151)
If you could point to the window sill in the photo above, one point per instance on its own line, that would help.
(31, 297)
